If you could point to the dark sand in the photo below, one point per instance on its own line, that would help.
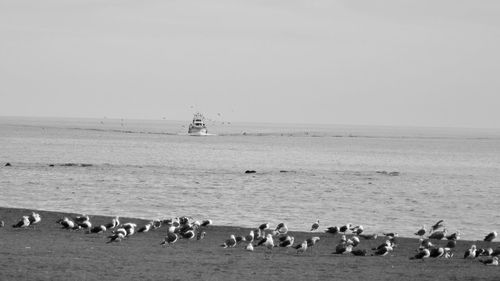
(47, 252)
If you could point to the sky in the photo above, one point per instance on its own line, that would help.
(390, 62)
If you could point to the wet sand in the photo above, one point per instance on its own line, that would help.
(47, 252)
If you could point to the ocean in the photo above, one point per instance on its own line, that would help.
(384, 178)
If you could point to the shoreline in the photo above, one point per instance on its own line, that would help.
(47, 252)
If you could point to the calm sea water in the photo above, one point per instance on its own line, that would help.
(151, 169)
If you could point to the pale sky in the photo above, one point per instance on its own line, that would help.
(391, 62)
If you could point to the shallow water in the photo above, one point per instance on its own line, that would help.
(149, 169)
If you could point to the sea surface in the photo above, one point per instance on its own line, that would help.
(335, 173)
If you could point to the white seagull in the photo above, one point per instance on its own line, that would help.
(24, 222)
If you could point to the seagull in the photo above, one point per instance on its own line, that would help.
(470, 253)
(355, 241)
(344, 228)
(438, 234)
(437, 225)
(287, 242)
(332, 230)
(188, 234)
(156, 224)
(315, 226)
(2, 223)
(490, 236)
(117, 237)
(343, 248)
(391, 234)
(66, 223)
(451, 244)
(85, 224)
(34, 218)
(81, 219)
(130, 228)
(453, 236)
(359, 252)
(425, 243)
(240, 239)
(249, 238)
(171, 237)
(436, 252)
(493, 261)
(263, 227)
(281, 228)
(24, 222)
(421, 232)
(269, 243)
(312, 241)
(369, 236)
(249, 247)
(97, 229)
(230, 243)
(206, 223)
(114, 223)
(357, 230)
(301, 248)
(383, 251)
(423, 254)
(146, 227)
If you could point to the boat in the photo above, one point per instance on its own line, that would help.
(198, 127)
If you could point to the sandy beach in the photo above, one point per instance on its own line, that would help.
(47, 252)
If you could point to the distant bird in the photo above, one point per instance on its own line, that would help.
(117, 237)
(425, 243)
(423, 254)
(490, 236)
(383, 251)
(437, 225)
(439, 235)
(357, 230)
(66, 223)
(34, 218)
(263, 227)
(470, 253)
(81, 219)
(130, 228)
(355, 241)
(343, 248)
(97, 229)
(315, 226)
(206, 223)
(359, 252)
(24, 222)
(155, 224)
(421, 232)
(2, 223)
(114, 223)
(332, 230)
(369, 236)
(345, 228)
(240, 239)
(451, 244)
(281, 228)
(85, 224)
(301, 248)
(249, 247)
(453, 236)
(312, 241)
(269, 243)
(287, 242)
(492, 261)
(188, 234)
(391, 234)
(171, 237)
(230, 243)
(249, 238)
(387, 243)
(436, 252)
(145, 228)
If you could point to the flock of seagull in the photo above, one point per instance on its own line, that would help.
(269, 238)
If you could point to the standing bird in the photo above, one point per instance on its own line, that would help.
(315, 226)
(249, 238)
(24, 222)
(490, 236)
(470, 253)
(263, 227)
(269, 243)
(281, 228)
(421, 232)
(301, 248)
(437, 225)
(34, 218)
(344, 228)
